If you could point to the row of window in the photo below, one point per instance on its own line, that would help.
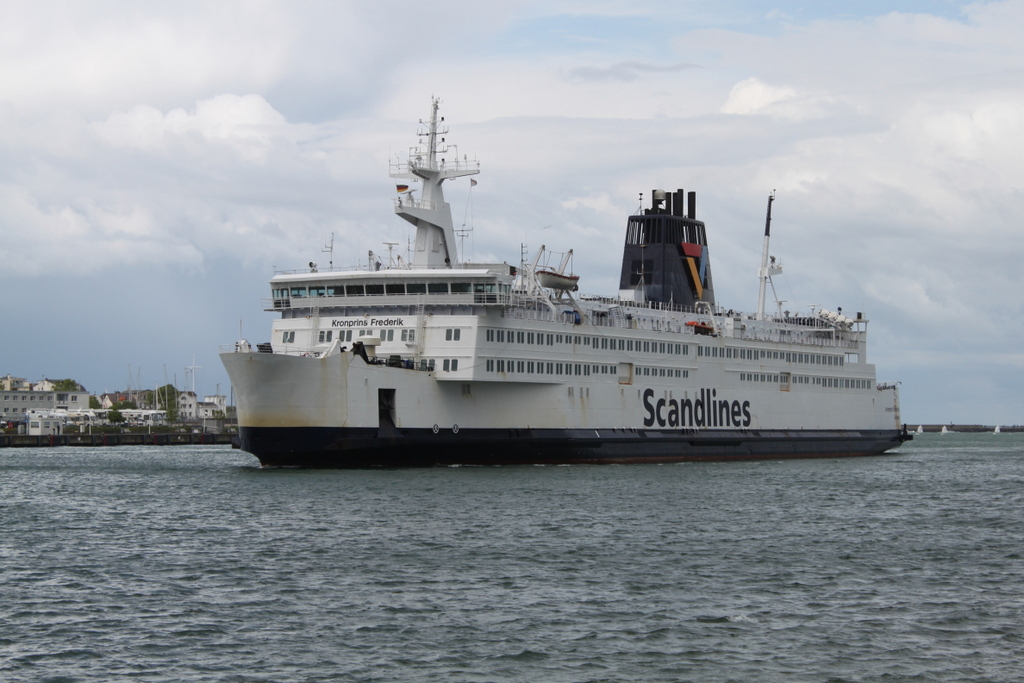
(529, 367)
(32, 397)
(661, 372)
(827, 382)
(758, 354)
(603, 343)
(389, 289)
(327, 336)
(598, 343)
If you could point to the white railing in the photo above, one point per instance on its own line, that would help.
(410, 203)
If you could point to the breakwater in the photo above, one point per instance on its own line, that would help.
(30, 441)
(974, 429)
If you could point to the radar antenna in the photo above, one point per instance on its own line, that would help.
(329, 249)
(391, 247)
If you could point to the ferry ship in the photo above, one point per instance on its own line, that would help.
(435, 361)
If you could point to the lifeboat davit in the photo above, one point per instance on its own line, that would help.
(549, 278)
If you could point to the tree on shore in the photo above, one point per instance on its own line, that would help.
(66, 385)
(94, 403)
(167, 399)
(115, 416)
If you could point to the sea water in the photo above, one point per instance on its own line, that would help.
(191, 563)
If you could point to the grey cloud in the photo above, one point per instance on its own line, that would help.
(625, 71)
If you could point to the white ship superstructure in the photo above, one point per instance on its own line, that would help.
(436, 361)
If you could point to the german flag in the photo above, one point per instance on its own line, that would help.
(403, 188)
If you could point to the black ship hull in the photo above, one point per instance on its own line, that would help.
(334, 448)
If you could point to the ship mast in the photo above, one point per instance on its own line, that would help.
(767, 269)
(431, 214)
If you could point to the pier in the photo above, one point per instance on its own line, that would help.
(44, 441)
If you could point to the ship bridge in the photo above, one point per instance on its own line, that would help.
(487, 285)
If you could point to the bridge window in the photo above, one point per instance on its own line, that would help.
(298, 292)
(437, 287)
(395, 288)
(416, 288)
(460, 288)
(372, 290)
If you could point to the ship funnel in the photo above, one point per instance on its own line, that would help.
(665, 257)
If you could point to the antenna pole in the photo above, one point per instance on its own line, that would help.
(329, 249)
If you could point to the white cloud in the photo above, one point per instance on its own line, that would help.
(87, 55)
(248, 124)
(752, 96)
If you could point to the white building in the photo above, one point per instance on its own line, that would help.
(10, 383)
(16, 404)
(145, 418)
(188, 405)
(45, 423)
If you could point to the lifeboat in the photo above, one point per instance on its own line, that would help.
(553, 280)
(701, 328)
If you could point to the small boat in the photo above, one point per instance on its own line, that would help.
(920, 429)
(559, 281)
(701, 328)
(996, 430)
(944, 430)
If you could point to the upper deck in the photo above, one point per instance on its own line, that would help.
(487, 284)
(479, 288)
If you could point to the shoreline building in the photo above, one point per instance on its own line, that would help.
(19, 397)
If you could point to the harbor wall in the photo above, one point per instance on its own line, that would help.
(32, 441)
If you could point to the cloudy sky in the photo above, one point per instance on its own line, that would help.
(159, 160)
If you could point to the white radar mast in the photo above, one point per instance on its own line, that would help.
(432, 162)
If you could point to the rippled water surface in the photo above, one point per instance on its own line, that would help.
(192, 564)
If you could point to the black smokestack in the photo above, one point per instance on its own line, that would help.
(679, 203)
(691, 212)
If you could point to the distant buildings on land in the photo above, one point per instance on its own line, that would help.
(189, 408)
(47, 410)
(19, 397)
